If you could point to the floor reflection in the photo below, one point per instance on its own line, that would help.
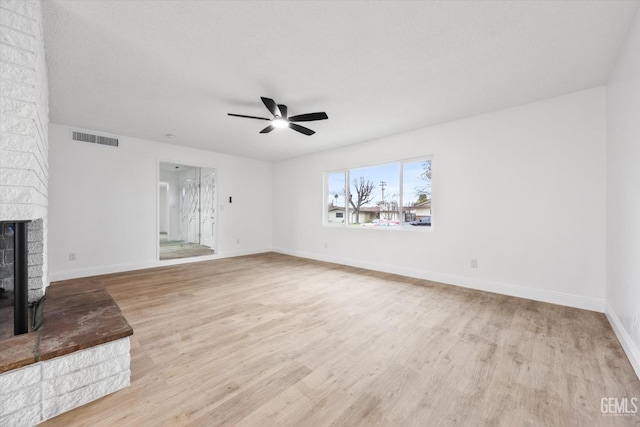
(174, 249)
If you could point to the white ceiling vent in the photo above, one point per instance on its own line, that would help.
(93, 138)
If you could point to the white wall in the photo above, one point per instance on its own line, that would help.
(623, 195)
(103, 203)
(522, 190)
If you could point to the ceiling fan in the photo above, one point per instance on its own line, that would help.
(281, 120)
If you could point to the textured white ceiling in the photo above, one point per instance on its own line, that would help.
(148, 68)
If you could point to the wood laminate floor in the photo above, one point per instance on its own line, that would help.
(273, 340)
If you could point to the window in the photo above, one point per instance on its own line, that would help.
(416, 193)
(374, 195)
(390, 195)
(336, 197)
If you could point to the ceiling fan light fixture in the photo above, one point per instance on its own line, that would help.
(279, 122)
(281, 119)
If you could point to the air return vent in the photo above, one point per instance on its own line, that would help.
(93, 138)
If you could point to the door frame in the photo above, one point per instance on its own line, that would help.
(194, 164)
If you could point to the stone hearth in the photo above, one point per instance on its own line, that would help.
(80, 354)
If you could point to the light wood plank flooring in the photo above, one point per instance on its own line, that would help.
(273, 340)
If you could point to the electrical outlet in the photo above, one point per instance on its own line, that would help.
(72, 256)
(326, 245)
(474, 262)
(635, 314)
(237, 241)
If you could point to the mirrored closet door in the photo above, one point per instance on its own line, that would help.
(187, 211)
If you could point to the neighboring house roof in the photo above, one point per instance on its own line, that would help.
(371, 209)
(422, 205)
(374, 209)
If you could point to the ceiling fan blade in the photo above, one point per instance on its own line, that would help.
(247, 117)
(301, 129)
(283, 110)
(271, 106)
(309, 117)
(268, 129)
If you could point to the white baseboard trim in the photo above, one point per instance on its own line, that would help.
(625, 339)
(55, 276)
(553, 297)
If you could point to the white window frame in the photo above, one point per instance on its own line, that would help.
(347, 185)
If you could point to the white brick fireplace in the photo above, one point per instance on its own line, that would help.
(46, 387)
(24, 112)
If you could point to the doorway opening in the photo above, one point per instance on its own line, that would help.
(186, 211)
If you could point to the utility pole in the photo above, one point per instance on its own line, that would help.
(382, 184)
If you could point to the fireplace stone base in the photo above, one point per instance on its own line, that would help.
(45, 389)
(80, 354)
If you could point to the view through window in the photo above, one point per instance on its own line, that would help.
(390, 195)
